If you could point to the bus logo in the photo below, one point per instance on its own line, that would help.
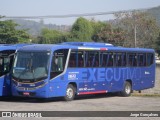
(72, 76)
(6, 114)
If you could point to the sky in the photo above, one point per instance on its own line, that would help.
(64, 7)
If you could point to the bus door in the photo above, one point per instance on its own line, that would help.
(6, 60)
(57, 80)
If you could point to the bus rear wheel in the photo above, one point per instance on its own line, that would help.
(126, 90)
(70, 93)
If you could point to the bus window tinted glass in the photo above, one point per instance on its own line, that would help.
(106, 59)
(58, 62)
(91, 59)
(119, 59)
(6, 59)
(72, 59)
(149, 59)
(141, 59)
(132, 59)
(76, 59)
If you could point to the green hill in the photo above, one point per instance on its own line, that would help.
(156, 13)
(34, 28)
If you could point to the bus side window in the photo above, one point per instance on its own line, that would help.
(76, 59)
(103, 58)
(87, 59)
(106, 59)
(72, 59)
(132, 59)
(118, 59)
(123, 59)
(58, 62)
(149, 59)
(80, 59)
(1, 66)
(6, 64)
(95, 59)
(109, 59)
(91, 59)
(141, 59)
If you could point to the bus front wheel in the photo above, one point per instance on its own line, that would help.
(70, 93)
(126, 90)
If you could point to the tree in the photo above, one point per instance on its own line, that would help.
(81, 31)
(97, 27)
(158, 45)
(51, 36)
(8, 33)
(141, 29)
(105, 32)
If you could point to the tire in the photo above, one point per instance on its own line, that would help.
(126, 90)
(70, 93)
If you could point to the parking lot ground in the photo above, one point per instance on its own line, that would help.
(84, 103)
(109, 102)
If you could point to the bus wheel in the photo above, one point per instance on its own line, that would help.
(126, 90)
(70, 93)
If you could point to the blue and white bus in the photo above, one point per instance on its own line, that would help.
(6, 60)
(80, 68)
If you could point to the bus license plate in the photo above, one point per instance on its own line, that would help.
(26, 93)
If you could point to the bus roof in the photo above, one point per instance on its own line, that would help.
(11, 46)
(81, 46)
(96, 44)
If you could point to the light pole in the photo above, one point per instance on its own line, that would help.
(135, 35)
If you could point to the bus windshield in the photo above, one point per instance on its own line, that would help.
(31, 66)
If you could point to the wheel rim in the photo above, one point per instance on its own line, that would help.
(69, 92)
(128, 89)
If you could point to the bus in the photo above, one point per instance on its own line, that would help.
(80, 68)
(6, 59)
